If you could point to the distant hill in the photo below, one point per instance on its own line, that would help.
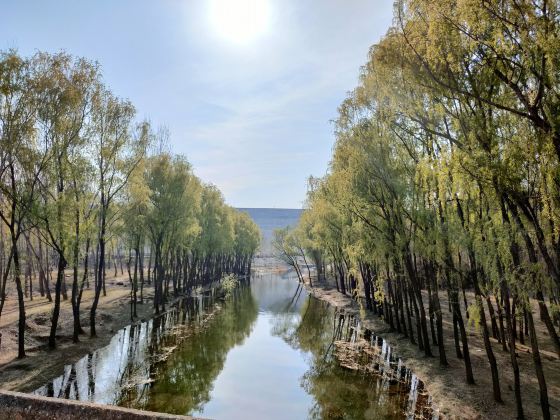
(270, 219)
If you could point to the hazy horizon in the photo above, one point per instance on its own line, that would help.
(269, 208)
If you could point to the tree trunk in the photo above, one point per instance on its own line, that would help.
(56, 309)
(100, 273)
(538, 366)
(21, 303)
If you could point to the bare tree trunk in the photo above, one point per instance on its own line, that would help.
(135, 283)
(5, 276)
(513, 356)
(56, 309)
(487, 344)
(439, 325)
(120, 260)
(543, 393)
(131, 283)
(21, 302)
(142, 274)
(100, 270)
(104, 274)
(75, 292)
(63, 287)
(44, 270)
(114, 260)
(150, 266)
(495, 330)
(85, 280)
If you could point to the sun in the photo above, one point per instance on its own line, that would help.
(239, 21)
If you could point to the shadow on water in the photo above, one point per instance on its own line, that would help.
(266, 353)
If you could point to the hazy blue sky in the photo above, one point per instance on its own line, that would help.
(250, 105)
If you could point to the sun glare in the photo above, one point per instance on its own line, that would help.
(240, 21)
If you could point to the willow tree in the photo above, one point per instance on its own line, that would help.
(286, 250)
(135, 215)
(217, 234)
(491, 63)
(21, 164)
(66, 88)
(74, 175)
(247, 241)
(115, 153)
(444, 176)
(171, 204)
(307, 236)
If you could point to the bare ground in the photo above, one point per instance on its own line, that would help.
(453, 397)
(42, 364)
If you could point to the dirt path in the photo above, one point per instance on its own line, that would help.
(40, 305)
(447, 386)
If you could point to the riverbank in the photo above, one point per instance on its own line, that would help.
(41, 364)
(452, 397)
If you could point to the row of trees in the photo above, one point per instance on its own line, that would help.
(445, 176)
(78, 172)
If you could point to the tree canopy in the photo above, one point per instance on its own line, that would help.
(82, 181)
(445, 175)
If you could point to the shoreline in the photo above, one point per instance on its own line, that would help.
(42, 364)
(452, 397)
(447, 387)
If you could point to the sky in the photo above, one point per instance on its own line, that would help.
(248, 89)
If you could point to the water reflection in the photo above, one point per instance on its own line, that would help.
(340, 393)
(150, 364)
(267, 353)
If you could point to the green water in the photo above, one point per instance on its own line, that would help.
(264, 354)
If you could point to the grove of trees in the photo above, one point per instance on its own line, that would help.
(83, 184)
(445, 177)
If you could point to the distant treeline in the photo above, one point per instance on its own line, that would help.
(82, 181)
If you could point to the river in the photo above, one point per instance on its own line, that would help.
(265, 353)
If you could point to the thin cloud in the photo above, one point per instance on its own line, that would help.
(253, 119)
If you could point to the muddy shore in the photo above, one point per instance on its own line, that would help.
(452, 396)
(42, 364)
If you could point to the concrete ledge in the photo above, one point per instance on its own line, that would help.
(20, 406)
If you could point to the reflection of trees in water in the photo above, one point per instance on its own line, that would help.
(338, 393)
(310, 330)
(287, 319)
(185, 381)
(184, 350)
(277, 294)
(108, 374)
(167, 364)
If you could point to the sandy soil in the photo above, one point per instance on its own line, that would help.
(42, 364)
(448, 387)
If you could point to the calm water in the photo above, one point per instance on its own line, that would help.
(266, 353)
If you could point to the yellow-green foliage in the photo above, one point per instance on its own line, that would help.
(229, 283)
(474, 316)
(448, 150)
